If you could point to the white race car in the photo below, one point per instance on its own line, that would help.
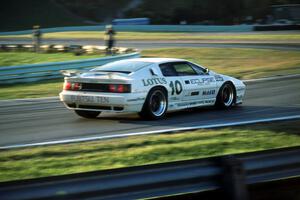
(148, 86)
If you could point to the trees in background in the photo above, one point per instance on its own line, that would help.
(22, 15)
(205, 11)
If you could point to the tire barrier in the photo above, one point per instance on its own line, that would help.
(57, 48)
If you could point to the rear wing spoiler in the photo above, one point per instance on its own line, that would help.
(69, 73)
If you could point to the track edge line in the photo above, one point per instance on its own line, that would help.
(77, 140)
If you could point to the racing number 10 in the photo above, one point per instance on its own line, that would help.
(176, 87)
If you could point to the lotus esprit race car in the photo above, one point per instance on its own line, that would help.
(148, 86)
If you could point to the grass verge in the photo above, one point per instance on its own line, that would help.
(240, 63)
(131, 151)
(260, 37)
(32, 90)
(23, 58)
(237, 62)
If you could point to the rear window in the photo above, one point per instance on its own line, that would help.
(124, 66)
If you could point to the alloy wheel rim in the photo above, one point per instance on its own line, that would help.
(227, 95)
(158, 103)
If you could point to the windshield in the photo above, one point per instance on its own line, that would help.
(122, 66)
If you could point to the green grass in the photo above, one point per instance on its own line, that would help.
(89, 156)
(22, 58)
(237, 62)
(259, 37)
(32, 90)
(240, 63)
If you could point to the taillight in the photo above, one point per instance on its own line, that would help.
(76, 86)
(97, 87)
(112, 88)
(67, 86)
(72, 86)
(119, 88)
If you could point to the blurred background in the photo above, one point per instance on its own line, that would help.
(257, 41)
(20, 15)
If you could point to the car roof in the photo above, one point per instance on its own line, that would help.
(157, 60)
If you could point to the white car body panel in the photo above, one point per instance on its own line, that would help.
(183, 91)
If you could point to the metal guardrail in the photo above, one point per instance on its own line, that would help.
(144, 28)
(34, 72)
(163, 179)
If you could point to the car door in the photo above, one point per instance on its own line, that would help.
(205, 84)
(199, 86)
(175, 85)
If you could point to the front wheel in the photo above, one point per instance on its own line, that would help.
(155, 106)
(226, 96)
(87, 113)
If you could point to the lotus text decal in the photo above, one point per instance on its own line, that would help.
(154, 81)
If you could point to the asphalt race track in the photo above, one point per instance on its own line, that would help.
(44, 120)
(31, 121)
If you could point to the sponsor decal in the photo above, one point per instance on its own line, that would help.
(194, 93)
(176, 87)
(239, 98)
(171, 106)
(190, 103)
(196, 81)
(202, 81)
(239, 89)
(209, 101)
(154, 81)
(174, 98)
(208, 80)
(219, 78)
(196, 103)
(137, 99)
(208, 92)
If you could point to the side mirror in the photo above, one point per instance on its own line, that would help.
(206, 70)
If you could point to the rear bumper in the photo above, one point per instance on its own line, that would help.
(110, 102)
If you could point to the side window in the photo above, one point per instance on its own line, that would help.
(167, 69)
(199, 70)
(184, 69)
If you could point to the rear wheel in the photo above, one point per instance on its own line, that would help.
(155, 106)
(87, 113)
(226, 96)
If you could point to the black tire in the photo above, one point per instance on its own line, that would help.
(226, 96)
(156, 105)
(87, 113)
